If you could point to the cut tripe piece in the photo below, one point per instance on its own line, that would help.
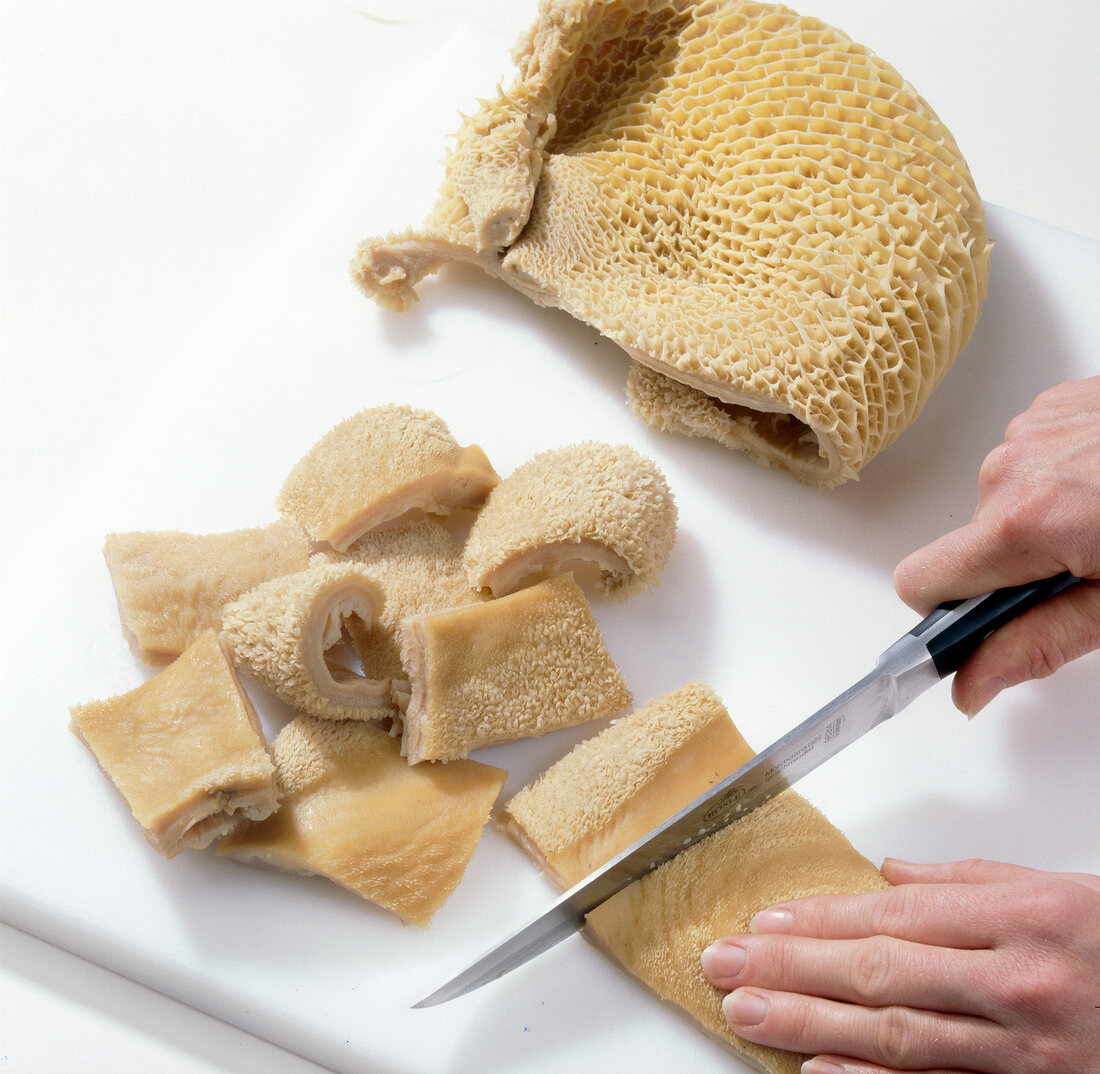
(419, 565)
(379, 466)
(742, 198)
(354, 811)
(172, 586)
(185, 749)
(612, 789)
(587, 503)
(658, 927)
(288, 634)
(517, 667)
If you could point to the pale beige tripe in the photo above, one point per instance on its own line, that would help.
(171, 586)
(379, 466)
(612, 789)
(591, 503)
(742, 198)
(354, 811)
(657, 928)
(419, 565)
(185, 749)
(520, 666)
(289, 634)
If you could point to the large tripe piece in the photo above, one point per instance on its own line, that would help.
(528, 663)
(765, 215)
(386, 464)
(580, 813)
(354, 811)
(289, 634)
(185, 749)
(587, 505)
(171, 586)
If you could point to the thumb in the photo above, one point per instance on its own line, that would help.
(1033, 646)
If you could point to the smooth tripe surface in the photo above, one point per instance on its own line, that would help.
(354, 811)
(378, 466)
(289, 634)
(171, 587)
(517, 667)
(596, 503)
(748, 202)
(612, 789)
(185, 749)
(657, 928)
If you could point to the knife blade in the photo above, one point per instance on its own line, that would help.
(932, 650)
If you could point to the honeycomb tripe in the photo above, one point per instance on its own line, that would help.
(517, 667)
(419, 565)
(289, 633)
(379, 466)
(750, 204)
(588, 504)
(657, 928)
(171, 586)
(354, 811)
(185, 749)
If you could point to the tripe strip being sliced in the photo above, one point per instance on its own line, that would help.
(289, 633)
(517, 667)
(612, 789)
(379, 466)
(171, 586)
(185, 749)
(658, 927)
(354, 811)
(588, 503)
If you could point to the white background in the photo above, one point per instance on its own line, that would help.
(105, 107)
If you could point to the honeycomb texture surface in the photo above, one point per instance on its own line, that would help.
(761, 212)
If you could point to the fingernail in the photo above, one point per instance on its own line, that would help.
(985, 693)
(820, 1066)
(774, 919)
(723, 959)
(744, 1008)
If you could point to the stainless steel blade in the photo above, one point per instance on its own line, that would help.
(904, 671)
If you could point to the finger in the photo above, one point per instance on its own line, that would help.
(969, 871)
(945, 915)
(837, 1064)
(878, 971)
(897, 1038)
(1033, 646)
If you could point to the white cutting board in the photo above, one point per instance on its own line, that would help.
(181, 329)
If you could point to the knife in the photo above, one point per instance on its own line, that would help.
(932, 650)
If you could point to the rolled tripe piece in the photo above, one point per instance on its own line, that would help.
(517, 667)
(171, 586)
(185, 749)
(355, 812)
(657, 928)
(289, 634)
(613, 788)
(377, 467)
(419, 565)
(587, 504)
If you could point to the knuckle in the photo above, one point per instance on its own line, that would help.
(896, 1037)
(873, 969)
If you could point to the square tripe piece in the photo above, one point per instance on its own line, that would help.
(185, 749)
(516, 667)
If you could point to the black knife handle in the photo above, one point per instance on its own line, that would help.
(951, 647)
